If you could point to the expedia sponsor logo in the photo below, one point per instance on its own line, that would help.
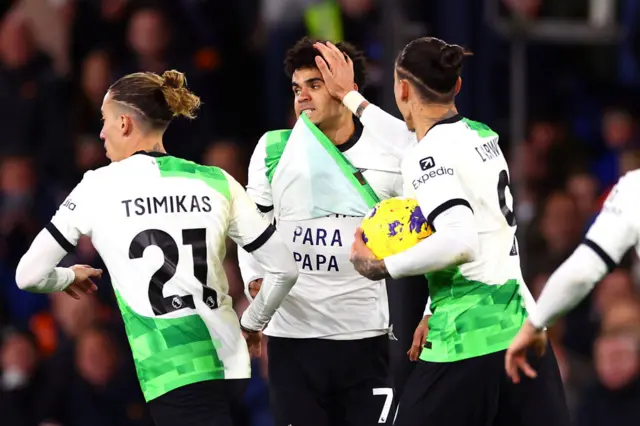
(69, 204)
(441, 171)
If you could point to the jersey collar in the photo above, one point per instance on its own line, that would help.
(355, 137)
(449, 120)
(152, 153)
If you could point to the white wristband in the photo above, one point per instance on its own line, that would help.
(353, 100)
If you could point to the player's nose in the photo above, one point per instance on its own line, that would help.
(304, 97)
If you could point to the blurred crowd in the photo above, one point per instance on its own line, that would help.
(66, 362)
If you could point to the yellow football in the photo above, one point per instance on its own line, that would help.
(393, 226)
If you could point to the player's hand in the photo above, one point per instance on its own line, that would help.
(516, 358)
(336, 69)
(419, 338)
(359, 249)
(254, 287)
(254, 342)
(364, 261)
(83, 284)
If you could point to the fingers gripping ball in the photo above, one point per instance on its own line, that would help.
(393, 226)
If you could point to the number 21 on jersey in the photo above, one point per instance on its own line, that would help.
(197, 239)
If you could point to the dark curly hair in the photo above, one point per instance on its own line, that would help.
(303, 54)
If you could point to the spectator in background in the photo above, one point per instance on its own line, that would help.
(24, 75)
(583, 187)
(623, 315)
(149, 38)
(619, 134)
(616, 286)
(19, 379)
(98, 390)
(24, 205)
(614, 399)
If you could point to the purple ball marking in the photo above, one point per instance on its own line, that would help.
(392, 228)
(364, 238)
(417, 220)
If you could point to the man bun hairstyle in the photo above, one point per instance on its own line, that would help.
(433, 66)
(303, 55)
(157, 99)
(179, 99)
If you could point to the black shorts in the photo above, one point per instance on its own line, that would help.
(208, 403)
(478, 392)
(318, 382)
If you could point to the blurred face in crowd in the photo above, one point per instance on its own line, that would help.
(16, 44)
(559, 226)
(18, 360)
(584, 190)
(16, 176)
(617, 129)
(95, 76)
(18, 353)
(617, 360)
(614, 287)
(312, 97)
(624, 314)
(148, 35)
(96, 357)
(74, 316)
(543, 136)
(226, 155)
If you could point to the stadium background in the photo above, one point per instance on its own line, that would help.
(559, 80)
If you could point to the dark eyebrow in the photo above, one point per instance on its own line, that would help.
(307, 81)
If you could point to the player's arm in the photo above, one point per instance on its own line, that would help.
(387, 129)
(259, 190)
(446, 208)
(258, 237)
(606, 242)
(37, 271)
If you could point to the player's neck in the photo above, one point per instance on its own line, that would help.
(340, 131)
(427, 116)
(151, 144)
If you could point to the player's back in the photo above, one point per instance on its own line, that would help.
(477, 306)
(160, 224)
(484, 173)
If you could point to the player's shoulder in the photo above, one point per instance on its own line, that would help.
(630, 179)
(275, 137)
(626, 189)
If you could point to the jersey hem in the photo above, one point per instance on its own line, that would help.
(150, 396)
(442, 360)
(359, 335)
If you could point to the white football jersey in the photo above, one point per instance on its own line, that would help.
(330, 299)
(160, 224)
(477, 306)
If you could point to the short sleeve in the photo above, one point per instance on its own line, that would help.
(74, 217)
(431, 171)
(614, 232)
(247, 226)
(259, 187)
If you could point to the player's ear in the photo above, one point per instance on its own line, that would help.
(404, 90)
(355, 87)
(458, 85)
(126, 125)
